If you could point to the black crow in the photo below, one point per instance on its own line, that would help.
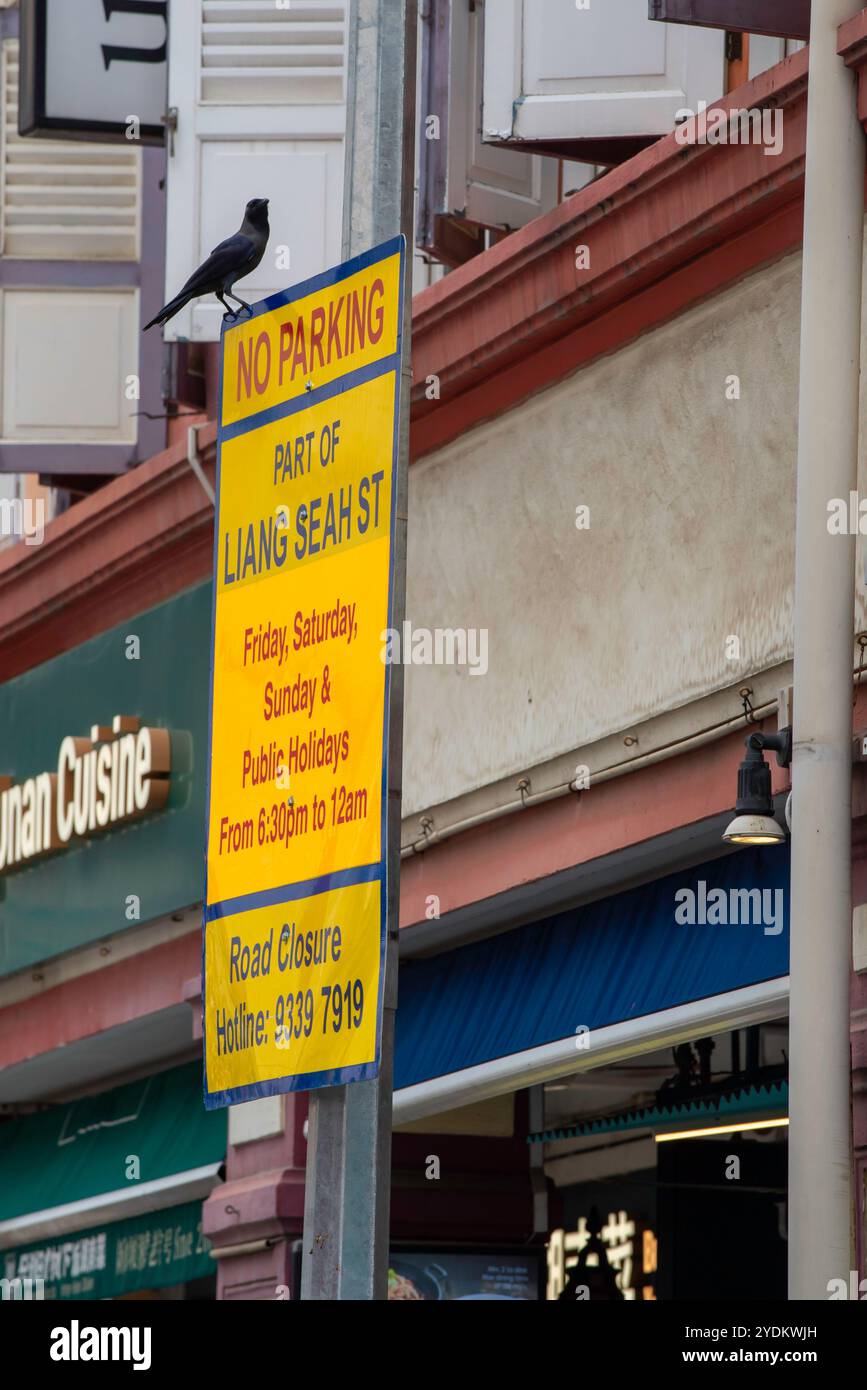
(227, 263)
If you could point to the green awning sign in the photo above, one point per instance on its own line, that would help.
(151, 1251)
(81, 1149)
(94, 874)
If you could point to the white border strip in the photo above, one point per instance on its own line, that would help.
(737, 1009)
(109, 1206)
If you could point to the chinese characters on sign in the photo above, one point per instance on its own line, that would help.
(631, 1250)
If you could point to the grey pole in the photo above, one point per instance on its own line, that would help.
(820, 1202)
(346, 1199)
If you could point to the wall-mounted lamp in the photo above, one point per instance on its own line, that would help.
(754, 822)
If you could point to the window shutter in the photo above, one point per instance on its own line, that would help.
(252, 51)
(464, 183)
(259, 92)
(63, 200)
(570, 79)
(51, 395)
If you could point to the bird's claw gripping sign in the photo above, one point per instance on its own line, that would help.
(295, 900)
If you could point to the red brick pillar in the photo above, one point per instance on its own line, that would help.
(260, 1207)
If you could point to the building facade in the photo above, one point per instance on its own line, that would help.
(593, 993)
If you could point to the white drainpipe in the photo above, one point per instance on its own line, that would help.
(820, 1178)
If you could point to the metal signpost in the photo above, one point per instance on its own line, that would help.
(349, 1133)
(300, 930)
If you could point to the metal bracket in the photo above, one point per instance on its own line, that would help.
(170, 121)
(779, 743)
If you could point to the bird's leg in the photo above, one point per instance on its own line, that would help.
(238, 300)
(230, 312)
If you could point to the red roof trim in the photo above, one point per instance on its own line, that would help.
(142, 538)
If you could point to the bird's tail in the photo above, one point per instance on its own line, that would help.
(169, 310)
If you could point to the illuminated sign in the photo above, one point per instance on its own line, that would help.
(620, 1236)
(296, 866)
(116, 775)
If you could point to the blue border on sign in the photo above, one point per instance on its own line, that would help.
(285, 1085)
(212, 912)
(358, 377)
(291, 892)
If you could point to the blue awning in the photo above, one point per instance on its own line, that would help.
(686, 937)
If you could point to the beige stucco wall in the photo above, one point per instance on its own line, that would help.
(691, 540)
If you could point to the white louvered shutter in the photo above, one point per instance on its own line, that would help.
(257, 52)
(64, 200)
(259, 92)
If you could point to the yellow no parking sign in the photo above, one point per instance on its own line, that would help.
(295, 900)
